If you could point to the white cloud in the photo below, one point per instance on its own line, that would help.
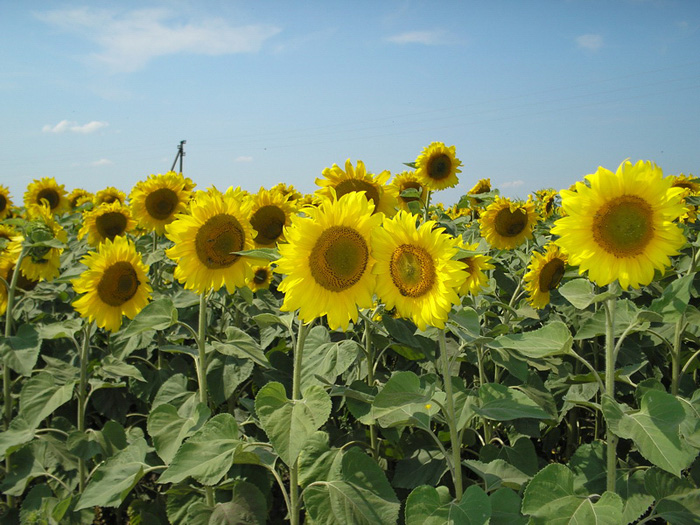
(129, 40)
(511, 184)
(244, 158)
(428, 38)
(74, 127)
(102, 162)
(591, 42)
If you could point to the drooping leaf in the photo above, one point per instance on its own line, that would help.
(41, 396)
(247, 507)
(675, 298)
(498, 473)
(157, 315)
(552, 339)
(168, 430)
(328, 361)
(428, 506)
(502, 403)
(20, 351)
(404, 399)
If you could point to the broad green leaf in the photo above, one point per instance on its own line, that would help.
(552, 339)
(207, 455)
(24, 465)
(316, 459)
(505, 508)
(157, 315)
(426, 506)
(118, 369)
(37, 505)
(403, 399)
(467, 320)
(682, 509)
(174, 391)
(630, 487)
(41, 396)
(168, 430)
(18, 433)
(675, 299)
(626, 313)
(83, 444)
(356, 493)
(114, 479)
(247, 507)
(225, 374)
(661, 484)
(20, 351)
(240, 344)
(502, 403)
(327, 361)
(589, 468)
(654, 428)
(64, 329)
(579, 292)
(522, 455)
(550, 499)
(423, 467)
(498, 473)
(290, 423)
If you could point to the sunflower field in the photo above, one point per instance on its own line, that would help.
(360, 355)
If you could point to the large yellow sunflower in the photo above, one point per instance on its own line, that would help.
(407, 180)
(476, 266)
(156, 200)
(42, 262)
(78, 197)
(115, 284)
(506, 224)
(106, 221)
(415, 270)
(544, 274)
(5, 202)
(337, 182)
(205, 241)
(109, 195)
(48, 190)
(437, 166)
(270, 213)
(327, 261)
(620, 226)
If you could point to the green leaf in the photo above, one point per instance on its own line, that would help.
(157, 315)
(327, 361)
(498, 473)
(20, 351)
(654, 428)
(207, 455)
(630, 487)
(18, 433)
(316, 459)
(626, 314)
(290, 423)
(428, 506)
(675, 298)
(41, 396)
(579, 292)
(502, 403)
(266, 254)
(505, 508)
(118, 369)
(550, 499)
(356, 493)
(240, 344)
(682, 509)
(225, 374)
(168, 430)
(64, 329)
(423, 467)
(114, 479)
(403, 399)
(247, 507)
(552, 339)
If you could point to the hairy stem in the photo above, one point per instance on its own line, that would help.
(451, 418)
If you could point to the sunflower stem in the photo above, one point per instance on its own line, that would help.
(676, 354)
(296, 395)
(451, 418)
(427, 206)
(202, 369)
(82, 399)
(369, 352)
(610, 389)
(482, 381)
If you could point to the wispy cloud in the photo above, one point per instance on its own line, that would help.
(511, 184)
(428, 38)
(73, 127)
(101, 162)
(591, 42)
(129, 40)
(244, 158)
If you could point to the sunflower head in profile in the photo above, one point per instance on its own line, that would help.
(619, 226)
(337, 182)
(47, 192)
(476, 266)
(415, 270)
(43, 260)
(115, 284)
(156, 200)
(79, 197)
(270, 214)
(106, 221)
(437, 166)
(546, 202)
(287, 190)
(506, 224)
(5, 202)
(483, 186)
(9, 237)
(109, 195)
(544, 274)
(408, 180)
(689, 183)
(327, 260)
(262, 278)
(206, 239)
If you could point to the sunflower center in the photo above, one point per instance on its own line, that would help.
(408, 186)
(510, 223)
(412, 270)
(339, 258)
(439, 166)
(260, 276)
(268, 221)
(119, 283)
(350, 185)
(623, 227)
(216, 240)
(3, 203)
(110, 225)
(50, 196)
(550, 275)
(161, 203)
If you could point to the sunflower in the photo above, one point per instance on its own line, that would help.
(407, 180)
(115, 284)
(546, 202)
(109, 195)
(544, 274)
(206, 239)
(156, 200)
(8, 236)
(327, 262)
(262, 277)
(42, 262)
(437, 166)
(106, 221)
(476, 265)
(5, 202)
(48, 190)
(336, 183)
(270, 214)
(506, 224)
(78, 197)
(415, 269)
(287, 190)
(483, 186)
(621, 226)
(687, 182)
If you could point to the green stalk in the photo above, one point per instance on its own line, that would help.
(451, 419)
(369, 352)
(296, 395)
(482, 381)
(202, 370)
(82, 399)
(610, 388)
(676, 354)
(427, 206)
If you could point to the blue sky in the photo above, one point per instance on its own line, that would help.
(533, 94)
